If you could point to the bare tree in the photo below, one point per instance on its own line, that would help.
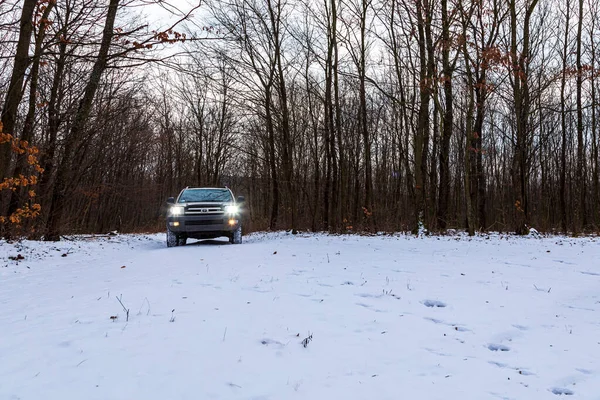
(14, 93)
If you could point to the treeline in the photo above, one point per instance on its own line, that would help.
(327, 115)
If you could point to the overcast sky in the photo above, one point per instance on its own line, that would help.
(163, 16)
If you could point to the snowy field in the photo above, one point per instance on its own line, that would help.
(301, 317)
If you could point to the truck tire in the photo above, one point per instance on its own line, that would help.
(236, 236)
(172, 239)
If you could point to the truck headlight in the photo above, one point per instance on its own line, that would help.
(232, 209)
(176, 210)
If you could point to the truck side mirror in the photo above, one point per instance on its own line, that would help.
(241, 199)
(171, 200)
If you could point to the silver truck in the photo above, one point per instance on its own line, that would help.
(204, 213)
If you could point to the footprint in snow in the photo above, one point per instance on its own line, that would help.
(271, 342)
(521, 371)
(437, 352)
(562, 392)
(498, 347)
(524, 372)
(507, 336)
(233, 385)
(590, 273)
(367, 296)
(377, 296)
(456, 327)
(498, 364)
(461, 329)
(257, 289)
(583, 371)
(435, 321)
(434, 304)
(369, 307)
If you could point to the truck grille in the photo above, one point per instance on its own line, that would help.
(199, 209)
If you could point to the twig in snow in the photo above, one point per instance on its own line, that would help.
(82, 362)
(327, 258)
(142, 306)
(542, 290)
(307, 340)
(224, 333)
(569, 329)
(67, 253)
(124, 308)
(172, 316)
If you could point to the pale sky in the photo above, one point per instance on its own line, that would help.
(163, 16)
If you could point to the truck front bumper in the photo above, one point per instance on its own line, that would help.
(203, 224)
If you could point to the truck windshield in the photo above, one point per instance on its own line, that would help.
(208, 195)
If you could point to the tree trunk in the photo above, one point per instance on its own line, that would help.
(272, 162)
(27, 133)
(520, 71)
(563, 123)
(14, 93)
(339, 196)
(580, 217)
(329, 134)
(468, 149)
(63, 175)
(362, 94)
(448, 122)
(594, 127)
(480, 95)
(468, 160)
(422, 133)
(48, 161)
(287, 153)
(432, 83)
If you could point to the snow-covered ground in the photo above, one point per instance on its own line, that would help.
(301, 317)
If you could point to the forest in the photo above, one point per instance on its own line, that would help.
(327, 115)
